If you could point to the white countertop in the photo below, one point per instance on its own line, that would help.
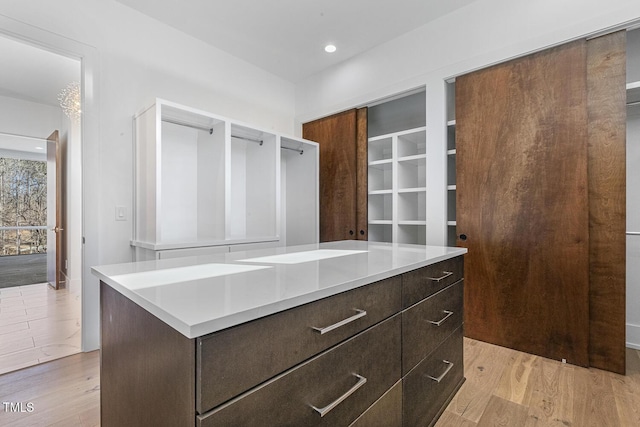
(204, 294)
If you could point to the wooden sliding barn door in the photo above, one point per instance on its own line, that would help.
(342, 140)
(606, 80)
(522, 203)
(541, 202)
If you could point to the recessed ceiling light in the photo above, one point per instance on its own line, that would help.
(329, 48)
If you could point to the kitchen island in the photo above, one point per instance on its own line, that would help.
(340, 333)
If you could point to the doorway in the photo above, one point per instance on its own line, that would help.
(39, 321)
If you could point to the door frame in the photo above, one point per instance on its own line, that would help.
(90, 160)
(54, 210)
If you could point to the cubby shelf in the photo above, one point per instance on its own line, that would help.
(451, 163)
(397, 186)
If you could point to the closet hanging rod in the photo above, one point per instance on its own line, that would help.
(633, 233)
(210, 130)
(633, 103)
(189, 125)
(257, 141)
(294, 149)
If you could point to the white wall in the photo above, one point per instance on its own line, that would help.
(22, 117)
(138, 59)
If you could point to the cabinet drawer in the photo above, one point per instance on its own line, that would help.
(426, 324)
(419, 284)
(327, 381)
(232, 361)
(386, 412)
(425, 396)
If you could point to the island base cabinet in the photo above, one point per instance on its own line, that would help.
(386, 412)
(429, 387)
(332, 389)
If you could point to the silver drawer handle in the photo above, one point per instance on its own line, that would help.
(324, 411)
(439, 322)
(437, 279)
(446, 371)
(361, 313)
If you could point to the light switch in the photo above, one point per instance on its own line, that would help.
(121, 213)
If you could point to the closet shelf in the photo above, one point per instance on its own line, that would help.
(417, 159)
(412, 190)
(412, 222)
(380, 222)
(373, 192)
(381, 164)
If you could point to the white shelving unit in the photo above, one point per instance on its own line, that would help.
(397, 187)
(299, 191)
(205, 183)
(451, 163)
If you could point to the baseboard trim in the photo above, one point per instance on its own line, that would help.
(633, 336)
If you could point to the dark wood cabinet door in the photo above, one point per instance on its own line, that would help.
(343, 186)
(522, 203)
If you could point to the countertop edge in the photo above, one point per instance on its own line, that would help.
(234, 319)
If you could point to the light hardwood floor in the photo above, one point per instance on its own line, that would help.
(510, 388)
(503, 388)
(37, 324)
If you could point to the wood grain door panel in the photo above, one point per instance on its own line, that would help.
(522, 202)
(336, 136)
(606, 79)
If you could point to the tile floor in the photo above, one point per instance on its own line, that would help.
(37, 324)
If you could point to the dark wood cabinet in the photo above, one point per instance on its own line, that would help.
(275, 343)
(356, 358)
(359, 371)
(431, 385)
(426, 281)
(427, 324)
(342, 139)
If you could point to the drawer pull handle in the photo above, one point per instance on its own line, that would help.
(324, 411)
(437, 279)
(441, 321)
(444, 374)
(361, 313)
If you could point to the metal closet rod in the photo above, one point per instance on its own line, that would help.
(633, 103)
(259, 141)
(294, 149)
(189, 125)
(210, 130)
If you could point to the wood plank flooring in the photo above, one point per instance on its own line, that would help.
(509, 388)
(37, 324)
(64, 392)
(503, 388)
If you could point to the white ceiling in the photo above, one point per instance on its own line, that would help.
(287, 37)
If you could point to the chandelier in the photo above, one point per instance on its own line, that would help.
(69, 99)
